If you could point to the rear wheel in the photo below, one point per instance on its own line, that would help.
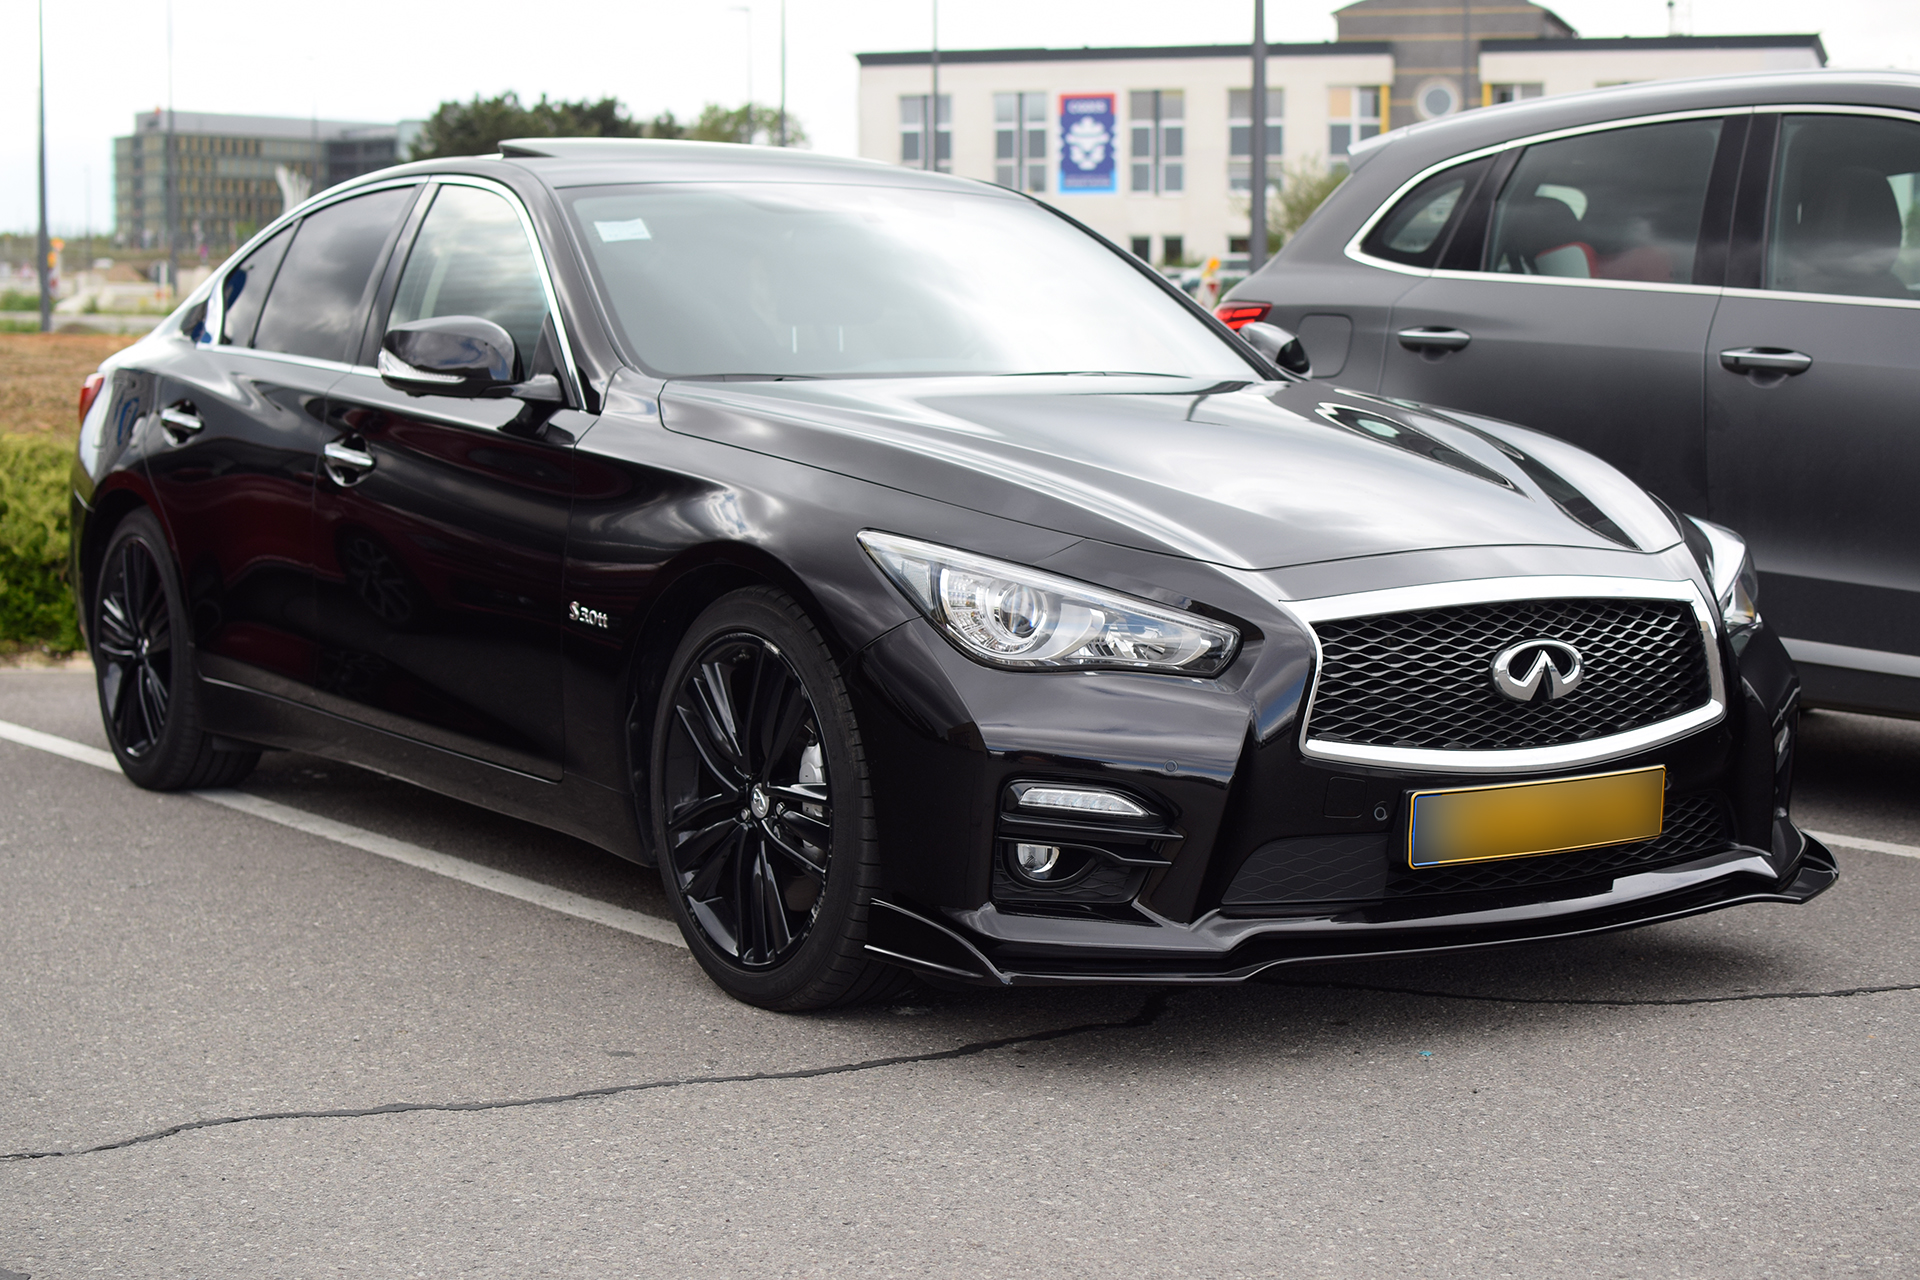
(143, 668)
(762, 810)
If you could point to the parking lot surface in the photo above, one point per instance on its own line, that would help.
(233, 1047)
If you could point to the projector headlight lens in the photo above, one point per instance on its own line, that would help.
(1007, 615)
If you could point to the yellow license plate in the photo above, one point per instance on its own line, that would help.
(1480, 824)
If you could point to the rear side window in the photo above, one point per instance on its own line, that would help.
(245, 289)
(1416, 230)
(472, 258)
(1846, 213)
(1624, 204)
(315, 307)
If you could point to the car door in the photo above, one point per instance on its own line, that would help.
(440, 523)
(1813, 377)
(242, 416)
(1580, 304)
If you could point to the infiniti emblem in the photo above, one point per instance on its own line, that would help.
(1520, 670)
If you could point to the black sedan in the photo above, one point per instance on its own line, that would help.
(1714, 285)
(918, 581)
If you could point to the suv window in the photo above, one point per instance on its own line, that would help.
(315, 307)
(1844, 213)
(1415, 231)
(245, 289)
(1624, 204)
(472, 258)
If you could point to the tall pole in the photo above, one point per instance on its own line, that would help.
(932, 157)
(46, 246)
(1257, 145)
(783, 72)
(173, 176)
(1466, 54)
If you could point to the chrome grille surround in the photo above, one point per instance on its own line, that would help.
(1500, 591)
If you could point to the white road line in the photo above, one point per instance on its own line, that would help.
(1861, 842)
(508, 885)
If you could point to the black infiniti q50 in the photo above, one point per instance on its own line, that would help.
(914, 579)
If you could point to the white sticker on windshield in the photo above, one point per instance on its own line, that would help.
(631, 229)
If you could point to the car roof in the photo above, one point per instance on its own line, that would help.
(1487, 126)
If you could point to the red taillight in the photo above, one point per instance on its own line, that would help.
(90, 391)
(1236, 314)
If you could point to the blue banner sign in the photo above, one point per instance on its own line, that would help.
(1089, 134)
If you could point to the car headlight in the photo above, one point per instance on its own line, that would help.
(1007, 615)
(1736, 587)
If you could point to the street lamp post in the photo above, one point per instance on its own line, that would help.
(45, 246)
(1257, 145)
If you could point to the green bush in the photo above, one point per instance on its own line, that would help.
(19, 300)
(36, 608)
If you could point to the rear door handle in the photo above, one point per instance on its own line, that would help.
(345, 463)
(1434, 338)
(1765, 360)
(180, 421)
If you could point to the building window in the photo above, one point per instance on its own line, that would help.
(1497, 93)
(1143, 247)
(1157, 120)
(1020, 140)
(1173, 250)
(913, 132)
(1353, 112)
(1240, 136)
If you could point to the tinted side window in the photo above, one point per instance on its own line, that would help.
(472, 258)
(1845, 218)
(1624, 204)
(245, 289)
(314, 309)
(1415, 230)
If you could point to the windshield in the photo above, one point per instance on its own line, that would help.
(804, 280)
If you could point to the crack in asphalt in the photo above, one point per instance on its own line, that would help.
(1149, 1013)
(1839, 994)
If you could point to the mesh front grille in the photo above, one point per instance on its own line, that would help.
(1425, 679)
(1694, 826)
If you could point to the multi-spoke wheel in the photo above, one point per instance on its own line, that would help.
(761, 809)
(143, 665)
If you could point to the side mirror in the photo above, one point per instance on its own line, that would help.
(1277, 345)
(464, 356)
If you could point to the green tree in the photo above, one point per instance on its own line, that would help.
(476, 128)
(1304, 187)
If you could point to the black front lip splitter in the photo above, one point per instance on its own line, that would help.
(958, 950)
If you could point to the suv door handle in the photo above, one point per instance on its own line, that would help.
(1430, 337)
(1765, 360)
(180, 421)
(345, 463)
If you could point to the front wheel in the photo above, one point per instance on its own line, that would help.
(143, 667)
(762, 809)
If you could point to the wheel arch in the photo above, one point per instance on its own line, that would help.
(109, 511)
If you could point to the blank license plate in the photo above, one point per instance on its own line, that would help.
(1480, 824)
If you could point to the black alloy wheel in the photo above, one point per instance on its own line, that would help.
(143, 668)
(761, 809)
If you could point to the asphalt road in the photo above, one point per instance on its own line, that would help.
(269, 1053)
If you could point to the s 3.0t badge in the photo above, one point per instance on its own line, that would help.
(577, 612)
(1521, 670)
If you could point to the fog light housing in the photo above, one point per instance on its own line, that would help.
(1037, 861)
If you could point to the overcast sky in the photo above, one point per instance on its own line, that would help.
(386, 60)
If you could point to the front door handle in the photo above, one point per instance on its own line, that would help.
(1430, 337)
(346, 463)
(1765, 360)
(180, 421)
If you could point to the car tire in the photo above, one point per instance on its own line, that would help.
(762, 810)
(144, 670)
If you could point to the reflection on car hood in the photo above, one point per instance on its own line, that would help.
(1252, 476)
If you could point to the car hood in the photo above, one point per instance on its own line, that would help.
(1252, 476)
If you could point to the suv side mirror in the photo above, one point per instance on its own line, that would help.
(1277, 345)
(466, 356)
